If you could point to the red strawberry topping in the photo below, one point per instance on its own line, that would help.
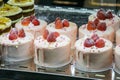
(100, 43)
(89, 42)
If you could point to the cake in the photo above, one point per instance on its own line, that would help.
(52, 50)
(5, 24)
(93, 54)
(1, 3)
(12, 12)
(118, 37)
(117, 58)
(101, 29)
(33, 25)
(64, 27)
(17, 45)
(108, 17)
(26, 5)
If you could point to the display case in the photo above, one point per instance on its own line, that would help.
(28, 70)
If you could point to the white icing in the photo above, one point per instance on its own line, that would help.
(4, 39)
(70, 31)
(62, 40)
(114, 22)
(107, 34)
(80, 46)
(35, 30)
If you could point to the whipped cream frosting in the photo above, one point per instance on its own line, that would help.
(51, 27)
(84, 30)
(31, 26)
(117, 49)
(61, 40)
(108, 21)
(4, 39)
(80, 46)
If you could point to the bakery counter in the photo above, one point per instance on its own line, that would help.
(28, 70)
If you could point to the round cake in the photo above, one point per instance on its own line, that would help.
(108, 17)
(118, 37)
(117, 58)
(1, 3)
(93, 54)
(33, 25)
(101, 30)
(17, 45)
(12, 12)
(64, 27)
(5, 24)
(26, 5)
(52, 50)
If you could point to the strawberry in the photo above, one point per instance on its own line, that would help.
(91, 26)
(36, 22)
(109, 15)
(95, 37)
(52, 36)
(21, 33)
(89, 42)
(58, 24)
(100, 43)
(13, 35)
(101, 26)
(32, 17)
(25, 21)
(96, 21)
(65, 23)
(101, 14)
(45, 34)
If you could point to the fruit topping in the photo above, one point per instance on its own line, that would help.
(32, 17)
(101, 14)
(109, 15)
(91, 26)
(26, 21)
(101, 26)
(52, 36)
(95, 37)
(96, 21)
(45, 34)
(35, 22)
(65, 23)
(21, 33)
(100, 43)
(58, 23)
(89, 42)
(13, 34)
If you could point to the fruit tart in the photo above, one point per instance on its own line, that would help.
(12, 12)
(5, 24)
(26, 5)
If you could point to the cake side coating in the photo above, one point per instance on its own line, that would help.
(93, 59)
